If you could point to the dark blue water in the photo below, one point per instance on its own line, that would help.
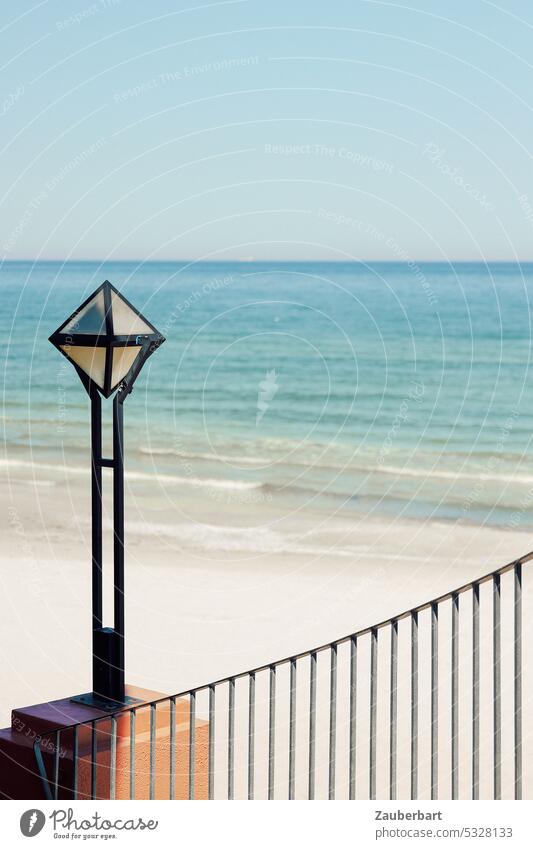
(403, 389)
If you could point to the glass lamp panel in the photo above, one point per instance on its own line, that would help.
(126, 322)
(90, 319)
(123, 359)
(90, 360)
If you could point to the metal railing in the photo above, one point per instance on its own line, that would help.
(426, 704)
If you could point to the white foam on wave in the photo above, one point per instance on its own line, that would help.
(191, 455)
(449, 475)
(233, 485)
(362, 468)
(257, 540)
(153, 477)
(284, 451)
(26, 464)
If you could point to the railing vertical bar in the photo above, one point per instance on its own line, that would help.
(497, 684)
(353, 714)
(231, 738)
(211, 744)
(94, 752)
(312, 723)
(113, 760)
(414, 704)
(373, 711)
(393, 738)
(251, 734)
(172, 744)
(56, 764)
(132, 754)
(152, 751)
(475, 691)
(434, 701)
(518, 681)
(332, 721)
(271, 732)
(292, 729)
(455, 698)
(192, 743)
(75, 754)
(42, 770)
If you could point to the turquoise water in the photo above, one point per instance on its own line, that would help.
(397, 389)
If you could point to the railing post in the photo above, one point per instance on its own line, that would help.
(455, 698)
(271, 732)
(132, 753)
(94, 758)
(231, 738)
(332, 720)
(373, 712)
(475, 691)
(393, 733)
(292, 728)
(113, 759)
(42, 771)
(312, 723)
(353, 717)
(211, 745)
(414, 704)
(152, 750)
(518, 681)
(172, 752)
(251, 735)
(497, 685)
(434, 701)
(192, 744)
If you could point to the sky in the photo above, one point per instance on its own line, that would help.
(239, 130)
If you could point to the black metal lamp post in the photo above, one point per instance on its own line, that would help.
(107, 341)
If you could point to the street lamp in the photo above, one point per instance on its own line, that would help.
(107, 341)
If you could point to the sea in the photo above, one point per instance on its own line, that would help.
(402, 390)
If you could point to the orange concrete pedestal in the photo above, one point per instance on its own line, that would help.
(141, 755)
(19, 777)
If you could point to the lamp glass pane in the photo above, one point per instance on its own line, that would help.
(90, 360)
(90, 319)
(126, 322)
(123, 359)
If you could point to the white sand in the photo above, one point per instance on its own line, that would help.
(208, 594)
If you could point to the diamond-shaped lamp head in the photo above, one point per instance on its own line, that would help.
(107, 341)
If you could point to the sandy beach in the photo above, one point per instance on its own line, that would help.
(213, 588)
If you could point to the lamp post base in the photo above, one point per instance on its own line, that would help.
(108, 668)
(101, 703)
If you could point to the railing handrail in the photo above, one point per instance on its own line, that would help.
(476, 582)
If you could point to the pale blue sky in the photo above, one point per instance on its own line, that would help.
(279, 130)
